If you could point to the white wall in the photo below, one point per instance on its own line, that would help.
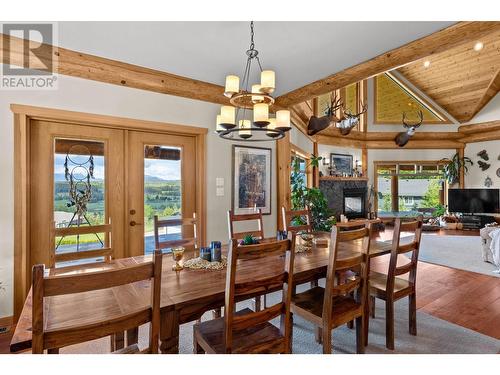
(300, 140)
(94, 97)
(475, 177)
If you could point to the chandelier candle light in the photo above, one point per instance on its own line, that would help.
(235, 121)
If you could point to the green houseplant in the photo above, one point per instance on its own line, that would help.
(452, 167)
(302, 196)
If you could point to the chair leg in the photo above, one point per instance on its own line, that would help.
(412, 310)
(197, 349)
(318, 335)
(257, 303)
(360, 335)
(366, 320)
(290, 342)
(53, 351)
(264, 297)
(372, 306)
(327, 341)
(389, 324)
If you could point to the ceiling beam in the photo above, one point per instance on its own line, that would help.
(489, 93)
(81, 65)
(479, 127)
(460, 33)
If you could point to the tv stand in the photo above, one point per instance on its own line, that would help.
(474, 222)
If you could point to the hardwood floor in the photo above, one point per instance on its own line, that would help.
(468, 299)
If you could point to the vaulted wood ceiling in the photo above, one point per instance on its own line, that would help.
(461, 80)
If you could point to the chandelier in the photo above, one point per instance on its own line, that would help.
(247, 118)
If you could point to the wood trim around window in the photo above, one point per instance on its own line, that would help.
(23, 115)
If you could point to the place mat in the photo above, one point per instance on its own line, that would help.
(198, 264)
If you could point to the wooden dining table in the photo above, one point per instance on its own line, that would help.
(185, 295)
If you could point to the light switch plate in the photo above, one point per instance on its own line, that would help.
(219, 192)
(219, 181)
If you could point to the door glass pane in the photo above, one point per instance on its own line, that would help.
(384, 194)
(79, 195)
(420, 194)
(162, 191)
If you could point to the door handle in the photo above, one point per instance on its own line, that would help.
(133, 223)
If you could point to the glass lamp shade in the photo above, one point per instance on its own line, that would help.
(232, 85)
(270, 127)
(256, 90)
(267, 81)
(218, 127)
(283, 120)
(227, 114)
(244, 126)
(261, 114)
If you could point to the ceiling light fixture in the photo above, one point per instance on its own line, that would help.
(478, 46)
(427, 63)
(256, 98)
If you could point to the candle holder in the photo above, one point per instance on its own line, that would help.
(177, 254)
(308, 240)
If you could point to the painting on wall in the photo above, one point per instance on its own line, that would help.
(251, 179)
(341, 164)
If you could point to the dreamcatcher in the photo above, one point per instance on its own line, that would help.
(78, 170)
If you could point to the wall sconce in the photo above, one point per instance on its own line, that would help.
(326, 161)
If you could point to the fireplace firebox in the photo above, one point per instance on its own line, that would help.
(354, 202)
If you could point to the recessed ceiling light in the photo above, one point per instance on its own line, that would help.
(478, 46)
(427, 63)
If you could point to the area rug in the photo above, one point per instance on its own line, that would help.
(434, 336)
(462, 252)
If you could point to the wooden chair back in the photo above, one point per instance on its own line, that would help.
(184, 241)
(289, 215)
(106, 252)
(414, 226)
(237, 290)
(233, 218)
(76, 332)
(358, 283)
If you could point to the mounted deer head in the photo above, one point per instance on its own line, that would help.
(403, 137)
(350, 120)
(317, 124)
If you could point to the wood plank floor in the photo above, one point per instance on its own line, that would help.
(468, 299)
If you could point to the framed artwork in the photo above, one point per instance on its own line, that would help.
(251, 179)
(341, 163)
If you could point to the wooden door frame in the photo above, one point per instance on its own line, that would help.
(23, 115)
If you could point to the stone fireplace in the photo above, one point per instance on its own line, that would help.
(345, 195)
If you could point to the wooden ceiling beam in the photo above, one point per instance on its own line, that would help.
(490, 92)
(460, 33)
(479, 127)
(81, 65)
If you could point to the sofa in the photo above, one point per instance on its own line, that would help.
(486, 242)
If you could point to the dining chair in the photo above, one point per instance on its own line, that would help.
(389, 287)
(247, 331)
(82, 329)
(291, 225)
(336, 304)
(256, 216)
(189, 241)
(233, 218)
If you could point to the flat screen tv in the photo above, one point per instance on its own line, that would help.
(473, 201)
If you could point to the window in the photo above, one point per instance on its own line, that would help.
(411, 187)
(393, 97)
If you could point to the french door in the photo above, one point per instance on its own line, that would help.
(161, 181)
(95, 190)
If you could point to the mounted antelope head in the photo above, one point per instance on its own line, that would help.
(403, 137)
(317, 124)
(350, 120)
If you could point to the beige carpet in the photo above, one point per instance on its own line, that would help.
(434, 336)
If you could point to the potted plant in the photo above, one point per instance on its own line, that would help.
(302, 196)
(452, 167)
